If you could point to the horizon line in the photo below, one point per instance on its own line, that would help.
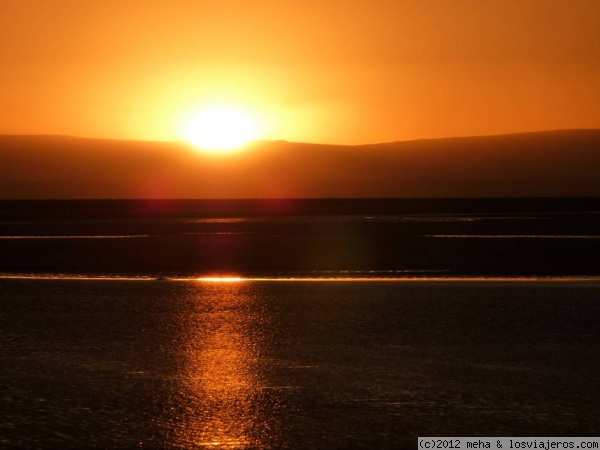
(132, 199)
(240, 279)
(285, 141)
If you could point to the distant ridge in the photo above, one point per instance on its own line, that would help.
(559, 163)
(493, 136)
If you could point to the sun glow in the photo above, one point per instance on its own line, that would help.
(221, 128)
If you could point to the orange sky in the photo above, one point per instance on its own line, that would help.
(335, 71)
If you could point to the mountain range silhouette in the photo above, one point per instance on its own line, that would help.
(561, 163)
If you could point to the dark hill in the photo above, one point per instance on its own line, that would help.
(542, 164)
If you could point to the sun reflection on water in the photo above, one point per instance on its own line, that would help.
(221, 379)
(221, 279)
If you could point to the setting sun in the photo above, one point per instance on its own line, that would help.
(221, 128)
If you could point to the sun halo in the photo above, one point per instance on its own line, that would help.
(221, 128)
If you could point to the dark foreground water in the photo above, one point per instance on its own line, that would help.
(169, 361)
(294, 364)
(303, 238)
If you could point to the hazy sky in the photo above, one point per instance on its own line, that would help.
(335, 71)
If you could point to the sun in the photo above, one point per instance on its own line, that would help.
(221, 128)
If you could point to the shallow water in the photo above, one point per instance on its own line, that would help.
(105, 363)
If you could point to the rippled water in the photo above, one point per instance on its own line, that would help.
(243, 364)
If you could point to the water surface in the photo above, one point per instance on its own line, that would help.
(106, 363)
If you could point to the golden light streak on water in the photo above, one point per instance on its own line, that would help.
(221, 376)
(223, 279)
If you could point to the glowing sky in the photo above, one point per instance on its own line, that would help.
(336, 71)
